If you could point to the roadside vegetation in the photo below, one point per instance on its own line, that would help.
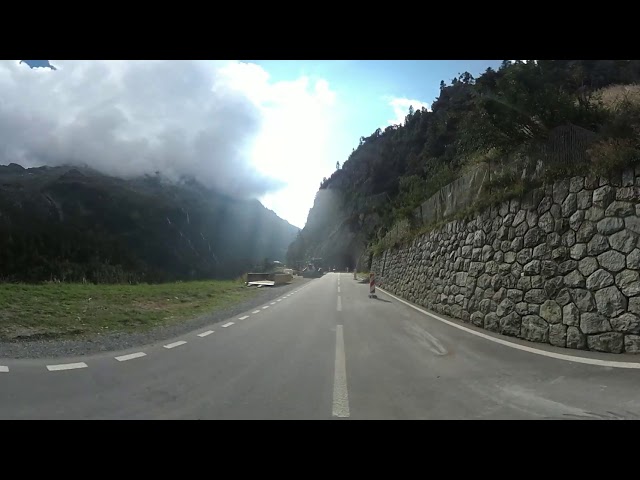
(616, 148)
(63, 310)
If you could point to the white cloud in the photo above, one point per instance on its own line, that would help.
(225, 122)
(127, 118)
(293, 144)
(401, 106)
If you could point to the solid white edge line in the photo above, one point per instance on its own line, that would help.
(131, 356)
(204, 334)
(340, 392)
(244, 318)
(4, 369)
(256, 311)
(66, 366)
(339, 306)
(175, 344)
(228, 324)
(524, 348)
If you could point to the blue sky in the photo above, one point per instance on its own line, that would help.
(362, 95)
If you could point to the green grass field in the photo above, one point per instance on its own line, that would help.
(59, 310)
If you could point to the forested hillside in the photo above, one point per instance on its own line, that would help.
(75, 224)
(501, 117)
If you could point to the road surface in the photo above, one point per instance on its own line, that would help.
(327, 351)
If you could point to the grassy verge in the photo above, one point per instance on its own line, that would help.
(59, 310)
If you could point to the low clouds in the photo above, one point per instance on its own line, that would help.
(401, 106)
(127, 118)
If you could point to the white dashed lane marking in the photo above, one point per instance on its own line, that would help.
(340, 393)
(131, 356)
(66, 366)
(339, 306)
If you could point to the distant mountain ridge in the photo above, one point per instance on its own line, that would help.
(73, 223)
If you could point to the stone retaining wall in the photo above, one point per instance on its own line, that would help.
(558, 266)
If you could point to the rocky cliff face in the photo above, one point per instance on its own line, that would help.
(333, 232)
(559, 266)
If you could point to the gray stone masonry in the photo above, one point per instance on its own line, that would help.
(560, 266)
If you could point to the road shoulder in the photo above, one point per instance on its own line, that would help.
(121, 341)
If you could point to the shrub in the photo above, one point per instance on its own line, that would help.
(613, 154)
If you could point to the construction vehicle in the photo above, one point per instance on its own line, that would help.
(313, 269)
(273, 273)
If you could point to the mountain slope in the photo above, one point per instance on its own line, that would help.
(73, 223)
(500, 119)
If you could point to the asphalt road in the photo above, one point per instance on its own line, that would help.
(327, 351)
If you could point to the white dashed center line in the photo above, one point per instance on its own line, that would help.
(340, 395)
(272, 303)
(279, 300)
(228, 324)
(131, 356)
(256, 311)
(204, 334)
(339, 303)
(338, 288)
(265, 307)
(175, 344)
(4, 369)
(66, 366)
(244, 318)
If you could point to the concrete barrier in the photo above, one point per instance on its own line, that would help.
(277, 278)
(281, 278)
(256, 277)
